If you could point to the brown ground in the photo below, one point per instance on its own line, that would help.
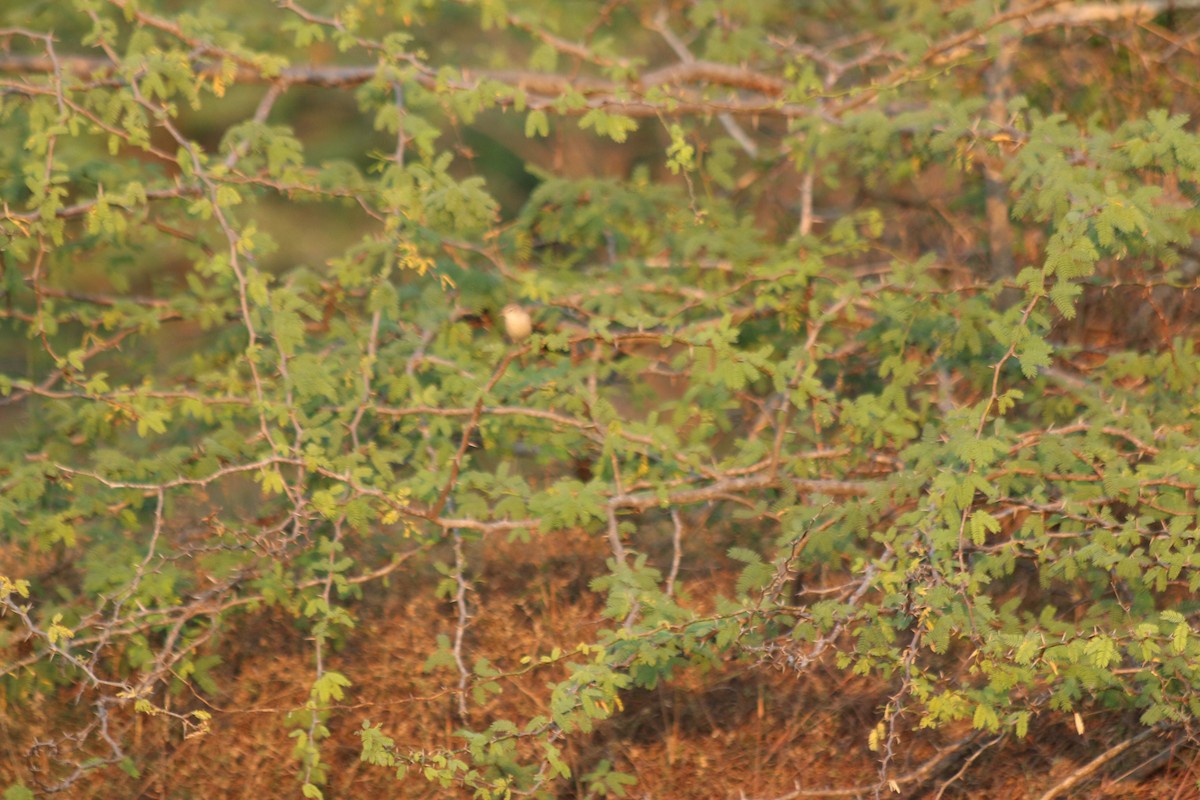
(747, 730)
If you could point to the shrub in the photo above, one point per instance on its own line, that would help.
(862, 339)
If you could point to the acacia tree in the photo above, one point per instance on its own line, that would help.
(889, 308)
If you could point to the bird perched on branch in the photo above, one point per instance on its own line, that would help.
(517, 322)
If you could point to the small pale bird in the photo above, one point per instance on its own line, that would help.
(517, 322)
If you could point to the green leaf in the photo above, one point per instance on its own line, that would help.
(329, 687)
(536, 124)
(1033, 353)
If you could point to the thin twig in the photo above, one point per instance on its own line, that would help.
(463, 620)
(731, 126)
(1087, 770)
(676, 550)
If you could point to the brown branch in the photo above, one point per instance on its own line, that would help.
(1086, 771)
(651, 499)
(1070, 15)
(686, 58)
(711, 72)
(469, 430)
(546, 89)
(918, 775)
(679, 74)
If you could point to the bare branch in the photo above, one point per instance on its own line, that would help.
(1084, 772)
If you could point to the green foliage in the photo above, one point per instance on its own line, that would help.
(250, 363)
